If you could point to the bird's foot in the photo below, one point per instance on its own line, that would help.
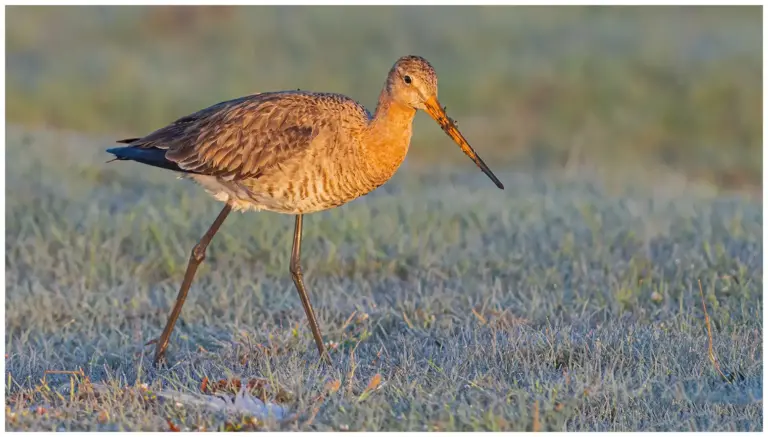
(325, 355)
(326, 359)
(159, 359)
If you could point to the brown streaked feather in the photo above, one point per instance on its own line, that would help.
(241, 138)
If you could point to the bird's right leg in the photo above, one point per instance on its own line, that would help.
(298, 280)
(197, 257)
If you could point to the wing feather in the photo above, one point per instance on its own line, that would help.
(241, 138)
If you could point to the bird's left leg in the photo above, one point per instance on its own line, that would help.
(197, 257)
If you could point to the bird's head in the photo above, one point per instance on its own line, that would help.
(412, 82)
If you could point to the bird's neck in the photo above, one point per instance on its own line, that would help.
(388, 134)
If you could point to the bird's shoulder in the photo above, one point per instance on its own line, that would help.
(322, 108)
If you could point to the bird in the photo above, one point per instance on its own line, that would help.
(293, 152)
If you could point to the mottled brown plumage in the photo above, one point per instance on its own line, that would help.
(295, 152)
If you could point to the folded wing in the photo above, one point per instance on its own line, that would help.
(239, 138)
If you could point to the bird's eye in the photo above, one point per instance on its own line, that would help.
(407, 79)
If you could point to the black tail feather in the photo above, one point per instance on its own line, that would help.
(150, 156)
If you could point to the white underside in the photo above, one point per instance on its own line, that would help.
(241, 198)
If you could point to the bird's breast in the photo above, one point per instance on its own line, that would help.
(315, 184)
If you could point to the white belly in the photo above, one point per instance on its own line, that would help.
(244, 199)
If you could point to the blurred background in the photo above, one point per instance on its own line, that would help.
(606, 89)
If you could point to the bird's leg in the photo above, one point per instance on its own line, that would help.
(197, 257)
(298, 280)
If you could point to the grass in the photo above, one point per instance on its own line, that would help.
(535, 87)
(629, 140)
(561, 303)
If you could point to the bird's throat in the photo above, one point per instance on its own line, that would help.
(389, 134)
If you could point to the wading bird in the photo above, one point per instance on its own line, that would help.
(293, 152)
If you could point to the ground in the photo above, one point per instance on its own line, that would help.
(560, 303)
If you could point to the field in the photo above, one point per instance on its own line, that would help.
(569, 301)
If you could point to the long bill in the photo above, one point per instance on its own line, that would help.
(438, 114)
